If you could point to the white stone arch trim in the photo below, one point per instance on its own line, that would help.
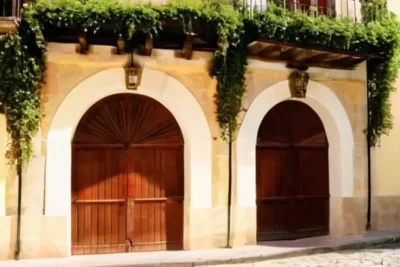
(155, 84)
(337, 126)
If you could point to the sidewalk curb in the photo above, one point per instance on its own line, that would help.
(231, 258)
(302, 252)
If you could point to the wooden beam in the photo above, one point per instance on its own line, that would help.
(257, 47)
(289, 53)
(148, 47)
(345, 62)
(188, 46)
(271, 51)
(316, 58)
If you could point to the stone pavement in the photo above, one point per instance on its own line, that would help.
(247, 255)
(386, 255)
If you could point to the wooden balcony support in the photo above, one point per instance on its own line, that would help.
(293, 55)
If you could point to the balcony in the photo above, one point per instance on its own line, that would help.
(332, 8)
(305, 56)
(10, 12)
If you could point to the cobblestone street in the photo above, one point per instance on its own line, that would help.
(388, 255)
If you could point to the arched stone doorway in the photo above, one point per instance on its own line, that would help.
(127, 177)
(292, 174)
(332, 113)
(197, 150)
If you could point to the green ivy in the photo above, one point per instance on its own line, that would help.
(230, 72)
(21, 74)
(382, 71)
(22, 54)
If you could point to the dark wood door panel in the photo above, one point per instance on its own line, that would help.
(312, 171)
(273, 162)
(127, 178)
(157, 198)
(98, 202)
(292, 174)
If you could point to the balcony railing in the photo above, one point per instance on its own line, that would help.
(347, 8)
(10, 9)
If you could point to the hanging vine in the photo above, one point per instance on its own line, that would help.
(21, 75)
(382, 70)
(230, 73)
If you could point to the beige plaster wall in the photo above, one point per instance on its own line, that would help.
(394, 6)
(386, 170)
(385, 157)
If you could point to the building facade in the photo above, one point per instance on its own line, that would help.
(117, 170)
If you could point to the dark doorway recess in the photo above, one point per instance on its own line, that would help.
(292, 174)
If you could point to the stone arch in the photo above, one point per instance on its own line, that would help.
(338, 129)
(157, 85)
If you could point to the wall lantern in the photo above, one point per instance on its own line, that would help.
(133, 75)
(298, 81)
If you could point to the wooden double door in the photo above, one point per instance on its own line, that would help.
(127, 179)
(292, 174)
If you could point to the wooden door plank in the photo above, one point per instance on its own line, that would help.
(108, 195)
(102, 208)
(137, 238)
(144, 194)
(94, 195)
(83, 176)
(74, 195)
(115, 159)
(131, 191)
(122, 194)
(163, 193)
(157, 194)
(151, 194)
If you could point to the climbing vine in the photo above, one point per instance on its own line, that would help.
(230, 73)
(382, 71)
(23, 63)
(21, 75)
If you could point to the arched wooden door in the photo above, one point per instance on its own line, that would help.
(292, 174)
(127, 178)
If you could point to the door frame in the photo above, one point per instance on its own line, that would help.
(341, 149)
(190, 118)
